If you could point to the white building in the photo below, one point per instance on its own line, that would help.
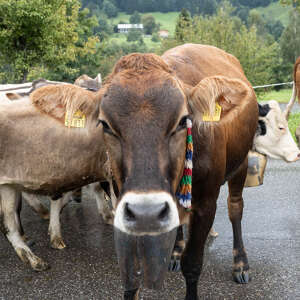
(125, 28)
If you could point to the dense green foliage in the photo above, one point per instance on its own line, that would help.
(259, 57)
(60, 40)
(45, 35)
(290, 39)
(135, 18)
(205, 7)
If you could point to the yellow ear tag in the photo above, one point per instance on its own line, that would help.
(77, 121)
(217, 114)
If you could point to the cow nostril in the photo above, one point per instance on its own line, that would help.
(129, 215)
(164, 212)
(298, 155)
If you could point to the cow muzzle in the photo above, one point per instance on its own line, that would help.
(145, 229)
(144, 258)
(141, 214)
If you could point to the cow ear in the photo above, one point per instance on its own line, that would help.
(13, 96)
(57, 100)
(225, 91)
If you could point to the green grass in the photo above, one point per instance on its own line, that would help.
(275, 11)
(282, 96)
(167, 20)
(122, 38)
(294, 122)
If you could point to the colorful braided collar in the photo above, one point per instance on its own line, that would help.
(185, 187)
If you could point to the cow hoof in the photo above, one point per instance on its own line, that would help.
(40, 265)
(35, 262)
(174, 265)
(240, 266)
(213, 233)
(58, 243)
(241, 277)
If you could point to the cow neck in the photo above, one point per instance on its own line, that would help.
(185, 187)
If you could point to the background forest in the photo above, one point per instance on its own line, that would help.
(62, 39)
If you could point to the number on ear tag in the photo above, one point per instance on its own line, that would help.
(77, 121)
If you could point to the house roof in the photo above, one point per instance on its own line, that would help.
(130, 26)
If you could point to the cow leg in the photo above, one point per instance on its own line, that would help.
(131, 295)
(201, 221)
(102, 203)
(10, 228)
(36, 205)
(177, 251)
(56, 240)
(235, 211)
(18, 215)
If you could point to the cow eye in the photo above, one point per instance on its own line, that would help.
(181, 125)
(105, 126)
(281, 128)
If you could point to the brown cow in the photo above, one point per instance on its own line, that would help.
(296, 93)
(144, 110)
(296, 88)
(39, 154)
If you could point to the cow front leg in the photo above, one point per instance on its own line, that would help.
(201, 220)
(174, 265)
(56, 240)
(10, 228)
(235, 211)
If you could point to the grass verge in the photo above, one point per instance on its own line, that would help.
(282, 96)
(294, 122)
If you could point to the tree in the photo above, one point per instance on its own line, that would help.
(184, 23)
(44, 35)
(149, 24)
(275, 28)
(134, 35)
(135, 18)
(109, 9)
(290, 39)
(257, 57)
(294, 3)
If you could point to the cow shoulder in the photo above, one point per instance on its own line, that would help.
(56, 100)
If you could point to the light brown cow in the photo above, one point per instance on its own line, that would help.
(95, 191)
(39, 154)
(146, 103)
(89, 83)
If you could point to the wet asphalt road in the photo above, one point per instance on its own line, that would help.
(87, 268)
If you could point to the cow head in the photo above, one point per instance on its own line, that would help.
(273, 137)
(144, 111)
